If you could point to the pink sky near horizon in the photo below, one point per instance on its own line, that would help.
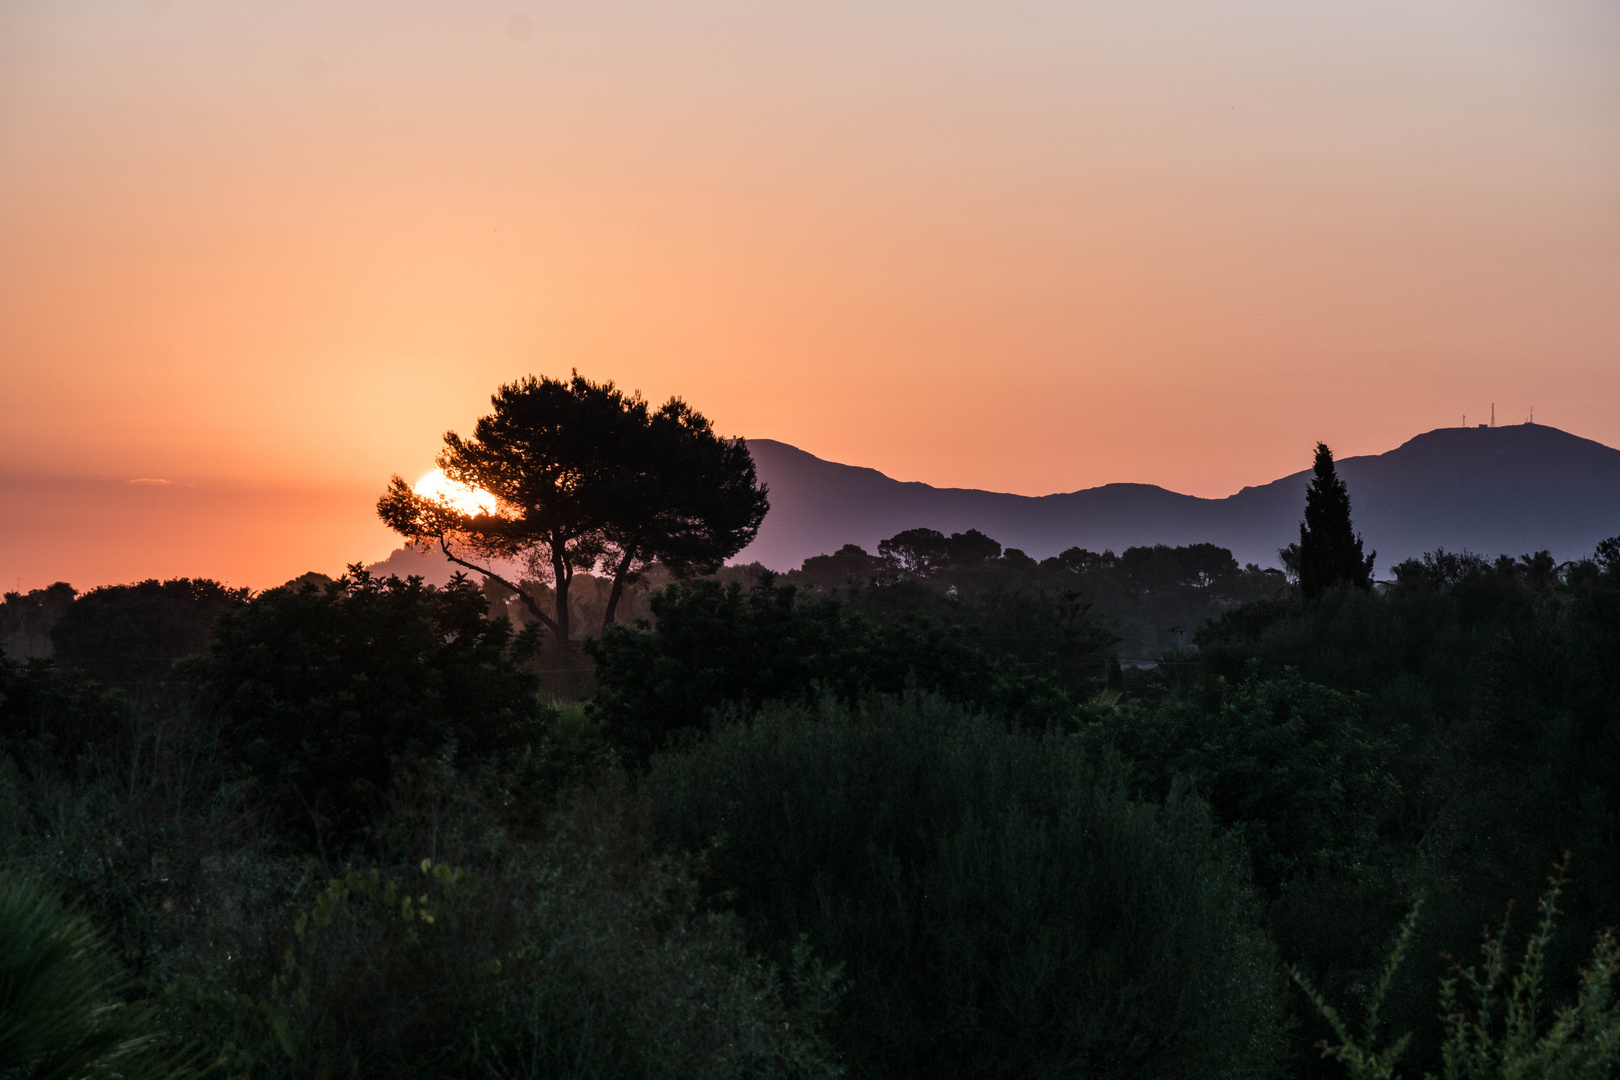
(273, 252)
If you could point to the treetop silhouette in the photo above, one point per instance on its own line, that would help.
(924, 552)
(1329, 550)
(587, 478)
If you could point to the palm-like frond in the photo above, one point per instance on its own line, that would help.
(60, 1017)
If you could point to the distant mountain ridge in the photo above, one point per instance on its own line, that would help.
(1513, 489)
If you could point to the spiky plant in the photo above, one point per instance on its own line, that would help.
(60, 1016)
(1507, 1036)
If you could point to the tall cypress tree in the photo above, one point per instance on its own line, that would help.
(1329, 549)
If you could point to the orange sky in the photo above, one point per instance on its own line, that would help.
(270, 252)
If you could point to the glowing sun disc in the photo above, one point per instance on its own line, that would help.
(459, 497)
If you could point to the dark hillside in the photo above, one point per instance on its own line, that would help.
(1509, 489)
(1513, 489)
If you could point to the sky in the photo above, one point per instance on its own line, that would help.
(269, 253)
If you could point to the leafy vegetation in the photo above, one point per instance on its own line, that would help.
(60, 1015)
(1506, 1034)
(715, 644)
(940, 810)
(1285, 764)
(578, 956)
(121, 633)
(322, 691)
(1000, 905)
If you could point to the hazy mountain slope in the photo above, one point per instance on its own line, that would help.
(818, 506)
(1513, 489)
(1509, 489)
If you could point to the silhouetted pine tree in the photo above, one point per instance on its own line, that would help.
(1329, 549)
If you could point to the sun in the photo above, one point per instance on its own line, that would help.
(458, 497)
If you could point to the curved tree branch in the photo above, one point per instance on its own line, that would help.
(528, 601)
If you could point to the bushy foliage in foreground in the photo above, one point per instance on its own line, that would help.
(579, 955)
(1507, 1035)
(1495, 682)
(1001, 906)
(322, 690)
(565, 943)
(959, 882)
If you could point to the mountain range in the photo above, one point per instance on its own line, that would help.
(1490, 490)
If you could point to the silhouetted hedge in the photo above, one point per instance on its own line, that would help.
(132, 633)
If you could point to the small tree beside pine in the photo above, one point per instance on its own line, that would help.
(1329, 549)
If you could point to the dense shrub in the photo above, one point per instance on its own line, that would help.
(991, 895)
(134, 633)
(1287, 765)
(323, 690)
(26, 619)
(48, 711)
(1503, 694)
(580, 953)
(146, 830)
(1002, 907)
(715, 644)
(1292, 769)
(1496, 681)
(608, 968)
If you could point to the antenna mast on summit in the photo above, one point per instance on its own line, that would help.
(1493, 414)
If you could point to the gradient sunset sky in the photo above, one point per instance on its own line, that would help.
(268, 253)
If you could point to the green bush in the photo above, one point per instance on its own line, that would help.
(129, 811)
(60, 1014)
(132, 634)
(1496, 681)
(51, 714)
(579, 956)
(323, 691)
(999, 903)
(1507, 1036)
(1287, 765)
(716, 644)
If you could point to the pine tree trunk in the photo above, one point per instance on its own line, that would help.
(562, 572)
